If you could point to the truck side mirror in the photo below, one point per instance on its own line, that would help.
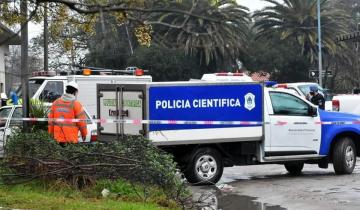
(313, 111)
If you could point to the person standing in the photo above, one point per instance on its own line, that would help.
(14, 99)
(4, 98)
(317, 98)
(67, 107)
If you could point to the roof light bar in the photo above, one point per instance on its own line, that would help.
(229, 74)
(43, 73)
(104, 71)
(270, 83)
(282, 86)
(86, 72)
(139, 72)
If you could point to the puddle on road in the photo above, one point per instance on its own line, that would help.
(232, 202)
(216, 200)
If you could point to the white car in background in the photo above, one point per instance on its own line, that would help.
(11, 112)
(303, 90)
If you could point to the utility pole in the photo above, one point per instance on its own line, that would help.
(46, 38)
(24, 62)
(319, 43)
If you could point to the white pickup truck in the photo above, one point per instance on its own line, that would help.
(210, 125)
(349, 103)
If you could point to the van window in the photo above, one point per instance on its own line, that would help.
(52, 91)
(286, 104)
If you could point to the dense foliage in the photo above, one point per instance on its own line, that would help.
(36, 155)
(297, 20)
(165, 64)
(203, 36)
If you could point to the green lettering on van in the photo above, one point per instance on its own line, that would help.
(132, 103)
(109, 102)
(127, 103)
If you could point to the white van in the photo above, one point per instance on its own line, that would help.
(7, 113)
(48, 87)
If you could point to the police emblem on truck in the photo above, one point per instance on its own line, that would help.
(249, 101)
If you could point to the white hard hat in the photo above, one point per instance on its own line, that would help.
(3, 96)
(73, 84)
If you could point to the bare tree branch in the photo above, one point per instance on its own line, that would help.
(32, 14)
(92, 9)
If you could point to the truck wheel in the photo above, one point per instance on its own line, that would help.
(205, 167)
(344, 156)
(294, 168)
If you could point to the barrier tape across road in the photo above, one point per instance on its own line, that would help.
(182, 122)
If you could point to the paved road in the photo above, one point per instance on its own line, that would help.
(270, 187)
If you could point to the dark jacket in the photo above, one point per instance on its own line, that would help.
(318, 100)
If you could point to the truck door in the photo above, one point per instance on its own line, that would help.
(123, 103)
(5, 112)
(293, 130)
(2, 137)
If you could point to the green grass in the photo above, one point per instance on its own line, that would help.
(36, 195)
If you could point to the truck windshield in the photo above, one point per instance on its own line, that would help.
(34, 85)
(305, 89)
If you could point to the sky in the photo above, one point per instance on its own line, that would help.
(253, 5)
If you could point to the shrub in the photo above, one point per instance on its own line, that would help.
(38, 110)
(36, 155)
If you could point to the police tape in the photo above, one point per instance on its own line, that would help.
(181, 122)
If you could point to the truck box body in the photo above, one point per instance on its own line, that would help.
(87, 87)
(188, 103)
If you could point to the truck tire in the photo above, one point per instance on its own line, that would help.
(295, 168)
(204, 167)
(344, 156)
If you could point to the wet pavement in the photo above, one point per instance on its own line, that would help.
(269, 187)
(212, 198)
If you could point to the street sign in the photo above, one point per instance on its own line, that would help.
(315, 73)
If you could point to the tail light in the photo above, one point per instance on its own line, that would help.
(93, 137)
(336, 105)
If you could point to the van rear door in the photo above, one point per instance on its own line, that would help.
(121, 102)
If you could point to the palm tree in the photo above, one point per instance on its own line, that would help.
(297, 19)
(218, 31)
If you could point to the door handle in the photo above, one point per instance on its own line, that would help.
(125, 113)
(300, 123)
